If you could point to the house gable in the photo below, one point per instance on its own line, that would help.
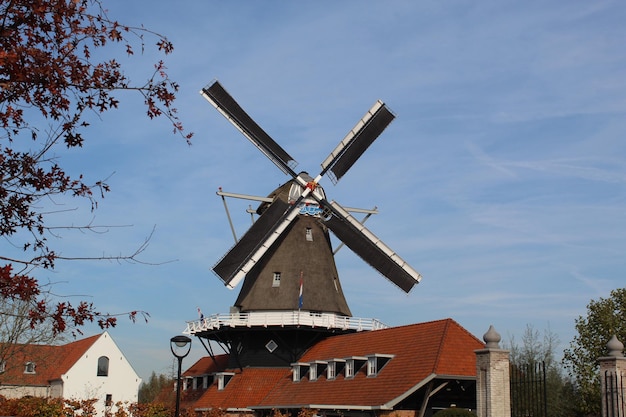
(87, 379)
(93, 367)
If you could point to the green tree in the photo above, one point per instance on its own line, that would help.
(605, 317)
(150, 390)
(541, 348)
(58, 69)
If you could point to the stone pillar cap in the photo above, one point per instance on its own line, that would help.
(615, 347)
(492, 338)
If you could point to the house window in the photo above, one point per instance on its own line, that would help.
(103, 366)
(335, 367)
(349, 368)
(330, 371)
(276, 281)
(313, 373)
(299, 370)
(3, 366)
(223, 378)
(353, 365)
(30, 368)
(372, 369)
(108, 401)
(309, 234)
(376, 362)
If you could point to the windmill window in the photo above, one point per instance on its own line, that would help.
(309, 234)
(271, 346)
(276, 280)
(30, 368)
(103, 366)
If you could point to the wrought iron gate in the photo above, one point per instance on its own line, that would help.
(528, 390)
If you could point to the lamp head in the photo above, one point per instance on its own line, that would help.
(180, 346)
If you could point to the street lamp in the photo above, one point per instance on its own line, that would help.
(180, 345)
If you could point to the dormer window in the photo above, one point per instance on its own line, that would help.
(29, 368)
(299, 371)
(316, 369)
(349, 368)
(276, 280)
(331, 371)
(376, 362)
(223, 378)
(334, 368)
(353, 364)
(103, 366)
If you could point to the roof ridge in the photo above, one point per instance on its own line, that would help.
(442, 339)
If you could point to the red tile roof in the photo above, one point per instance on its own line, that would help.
(245, 389)
(420, 351)
(207, 365)
(51, 362)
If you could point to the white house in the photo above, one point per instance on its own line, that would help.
(91, 368)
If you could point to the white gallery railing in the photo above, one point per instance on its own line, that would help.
(282, 318)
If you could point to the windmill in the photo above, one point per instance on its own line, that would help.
(285, 259)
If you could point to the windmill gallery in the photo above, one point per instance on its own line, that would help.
(290, 339)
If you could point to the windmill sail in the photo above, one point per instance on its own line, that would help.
(357, 141)
(231, 264)
(371, 249)
(226, 104)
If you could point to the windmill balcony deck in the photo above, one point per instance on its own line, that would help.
(282, 319)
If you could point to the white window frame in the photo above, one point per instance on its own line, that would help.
(372, 366)
(223, 378)
(349, 368)
(331, 370)
(30, 368)
(276, 280)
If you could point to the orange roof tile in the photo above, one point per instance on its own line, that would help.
(207, 365)
(246, 389)
(420, 351)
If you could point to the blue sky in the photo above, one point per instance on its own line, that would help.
(502, 179)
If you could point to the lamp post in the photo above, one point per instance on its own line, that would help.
(180, 345)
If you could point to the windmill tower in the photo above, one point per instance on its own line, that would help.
(291, 296)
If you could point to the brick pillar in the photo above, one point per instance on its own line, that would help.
(613, 379)
(493, 390)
